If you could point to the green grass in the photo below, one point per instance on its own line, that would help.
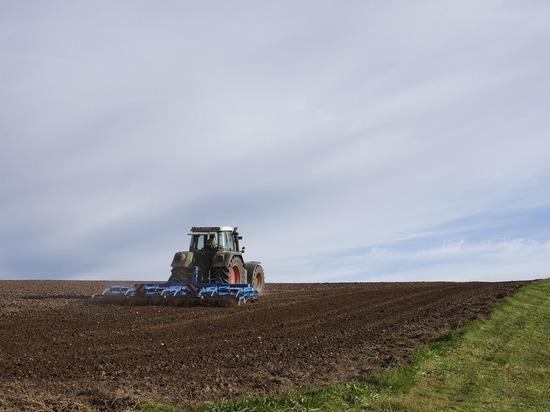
(498, 364)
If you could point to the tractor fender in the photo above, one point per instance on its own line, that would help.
(223, 259)
(182, 259)
(251, 265)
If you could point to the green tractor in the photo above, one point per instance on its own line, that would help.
(214, 256)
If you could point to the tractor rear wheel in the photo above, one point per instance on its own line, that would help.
(256, 277)
(234, 273)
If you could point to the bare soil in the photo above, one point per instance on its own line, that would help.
(59, 351)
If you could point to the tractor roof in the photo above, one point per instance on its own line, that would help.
(210, 229)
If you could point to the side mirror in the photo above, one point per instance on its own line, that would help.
(240, 237)
(242, 250)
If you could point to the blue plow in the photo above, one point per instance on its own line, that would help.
(178, 294)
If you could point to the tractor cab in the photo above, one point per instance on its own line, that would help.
(223, 238)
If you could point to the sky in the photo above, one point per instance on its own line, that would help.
(348, 140)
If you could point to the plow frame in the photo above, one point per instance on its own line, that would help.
(178, 294)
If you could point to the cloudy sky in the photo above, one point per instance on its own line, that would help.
(348, 140)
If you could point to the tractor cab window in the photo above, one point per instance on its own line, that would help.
(203, 241)
(197, 242)
(227, 241)
(223, 240)
(231, 242)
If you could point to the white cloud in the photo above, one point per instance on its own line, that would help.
(462, 260)
(315, 127)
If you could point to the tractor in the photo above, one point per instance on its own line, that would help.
(214, 256)
(211, 272)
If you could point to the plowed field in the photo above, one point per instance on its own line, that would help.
(59, 351)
